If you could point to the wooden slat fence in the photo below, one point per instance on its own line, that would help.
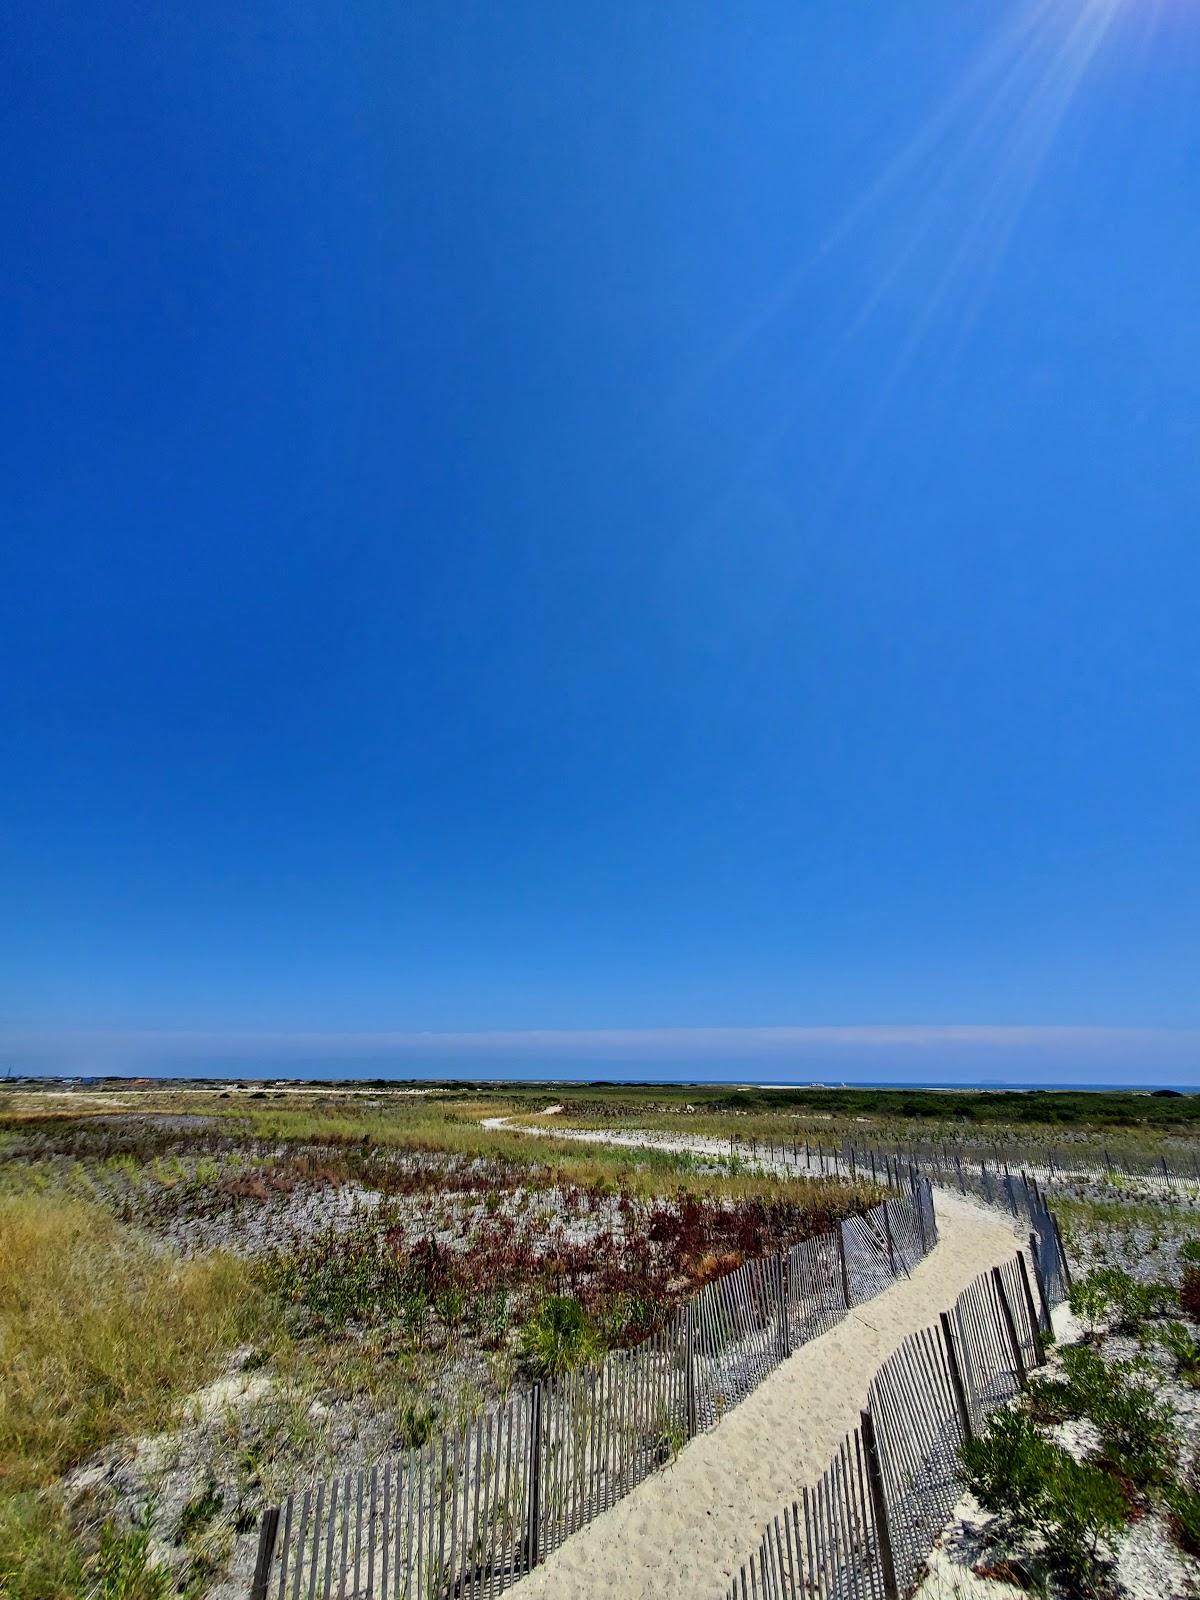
(994, 1182)
(945, 1161)
(467, 1513)
(864, 1531)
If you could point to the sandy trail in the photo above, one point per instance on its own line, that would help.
(682, 1533)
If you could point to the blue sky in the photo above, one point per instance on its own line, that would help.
(602, 520)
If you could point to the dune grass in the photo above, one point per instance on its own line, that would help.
(101, 1337)
(40, 1556)
(454, 1127)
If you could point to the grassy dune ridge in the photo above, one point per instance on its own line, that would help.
(384, 1257)
(101, 1337)
(106, 1328)
(99, 1334)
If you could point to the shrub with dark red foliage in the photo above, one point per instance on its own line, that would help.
(1189, 1293)
(629, 1261)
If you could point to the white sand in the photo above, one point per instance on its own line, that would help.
(683, 1533)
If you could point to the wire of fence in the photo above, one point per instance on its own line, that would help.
(468, 1513)
(864, 1530)
(944, 1161)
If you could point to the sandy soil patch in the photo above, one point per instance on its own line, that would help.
(683, 1533)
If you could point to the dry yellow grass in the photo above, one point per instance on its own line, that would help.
(100, 1335)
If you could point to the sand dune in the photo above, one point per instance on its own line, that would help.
(682, 1533)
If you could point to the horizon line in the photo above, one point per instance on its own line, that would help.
(962, 1046)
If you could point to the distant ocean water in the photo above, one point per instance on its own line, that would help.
(245, 1072)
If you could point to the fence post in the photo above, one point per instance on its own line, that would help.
(883, 1532)
(887, 1228)
(956, 1377)
(841, 1239)
(1035, 1252)
(690, 1372)
(1010, 1325)
(267, 1535)
(785, 1344)
(533, 1532)
(1062, 1252)
(1035, 1326)
(917, 1212)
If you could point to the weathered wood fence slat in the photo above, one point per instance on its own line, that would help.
(463, 1516)
(933, 1392)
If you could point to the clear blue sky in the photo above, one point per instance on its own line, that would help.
(622, 517)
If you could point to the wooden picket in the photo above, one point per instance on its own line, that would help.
(842, 1541)
(466, 1514)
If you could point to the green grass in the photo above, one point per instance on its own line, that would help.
(100, 1338)
(452, 1126)
(40, 1556)
(1125, 1124)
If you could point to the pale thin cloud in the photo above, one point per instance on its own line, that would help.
(931, 1051)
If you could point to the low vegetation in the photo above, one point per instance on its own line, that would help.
(361, 1266)
(358, 1278)
(101, 1337)
(1097, 1443)
(100, 1334)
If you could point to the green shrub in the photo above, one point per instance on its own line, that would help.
(1037, 1487)
(338, 1282)
(414, 1313)
(124, 1570)
(1136, 1429)
(1007, 1468)
(491, 1317)
(1084, 1511)
(1183, 1349)
(558, 1337)
(1050, 1400)
(1111, 1296)
(1183, 1503)
(1089, 1301)
(451, 1306)
(416, 1424)
(1084, 1378)
(1137, 1433)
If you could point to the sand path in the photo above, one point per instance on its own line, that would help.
(682, 1533)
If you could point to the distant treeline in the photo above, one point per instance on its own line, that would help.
(1165, 1109)
(1065, 1107)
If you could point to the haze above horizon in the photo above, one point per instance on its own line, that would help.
(663, 539)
